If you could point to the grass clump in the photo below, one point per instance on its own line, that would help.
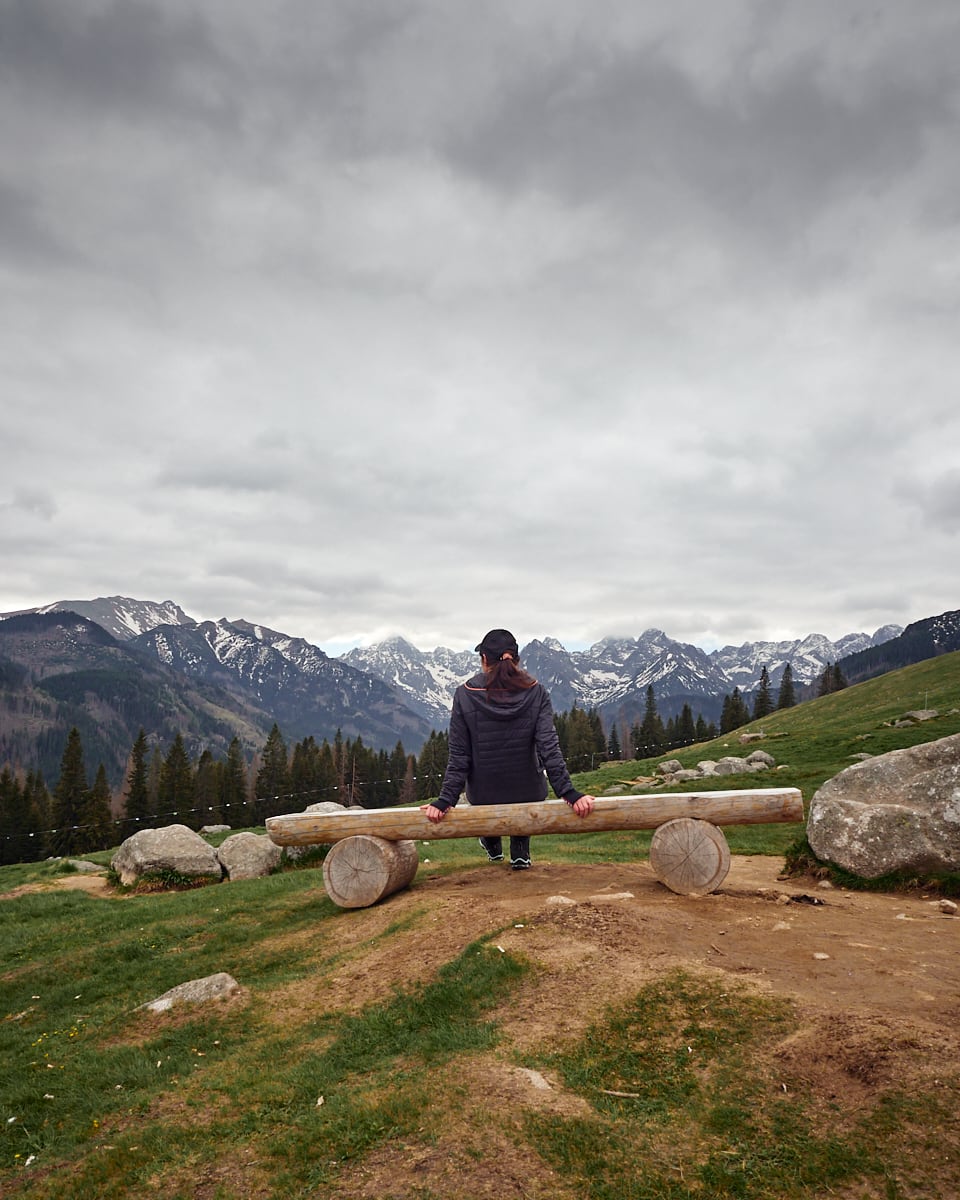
(685, 1087)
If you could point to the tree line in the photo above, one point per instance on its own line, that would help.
(171, 788)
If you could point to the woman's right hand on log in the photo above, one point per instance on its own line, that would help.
(433, 813)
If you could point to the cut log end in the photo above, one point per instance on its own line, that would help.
(361, 870)
(689, 856)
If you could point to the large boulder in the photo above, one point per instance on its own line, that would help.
(248, 855)
(896, 812)
(174, 848)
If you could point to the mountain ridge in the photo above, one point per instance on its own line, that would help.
(392, 691)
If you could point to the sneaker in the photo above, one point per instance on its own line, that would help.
(493, 848)
(520, 864)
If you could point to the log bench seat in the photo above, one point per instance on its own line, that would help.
(373, 854)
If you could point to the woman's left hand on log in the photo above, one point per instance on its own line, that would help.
(433, 813)
(583, 807)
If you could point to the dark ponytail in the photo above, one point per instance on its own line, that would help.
(506, 676)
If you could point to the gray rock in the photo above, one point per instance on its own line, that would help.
(669, 767)
(761, 757)
(295, 853)
(207, 829)
(707, 767)
(197, 991)
(921, 714)
(730, 765)
(685, 776)
(895, 812)
(84, 867)
(173, 848)
(249, 856)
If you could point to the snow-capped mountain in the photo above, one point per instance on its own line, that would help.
(614, 673)
(426, 681)
(120, 616)
(308, 693)
(393, 691)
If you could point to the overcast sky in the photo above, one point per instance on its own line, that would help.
(419, 317)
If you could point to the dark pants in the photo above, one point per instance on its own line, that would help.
(519, 848)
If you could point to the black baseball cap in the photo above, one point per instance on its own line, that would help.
(496, 643)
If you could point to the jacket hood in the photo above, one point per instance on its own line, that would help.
(505, 706)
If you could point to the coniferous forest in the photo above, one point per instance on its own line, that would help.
(164, 785)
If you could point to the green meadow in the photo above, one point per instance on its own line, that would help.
(100, 1100)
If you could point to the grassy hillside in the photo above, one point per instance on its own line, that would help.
(306, 1089)
(815, 740)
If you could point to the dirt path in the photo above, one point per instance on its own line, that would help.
(875, 978)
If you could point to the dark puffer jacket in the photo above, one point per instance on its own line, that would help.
(500, 747)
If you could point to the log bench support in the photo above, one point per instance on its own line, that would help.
(373, 853)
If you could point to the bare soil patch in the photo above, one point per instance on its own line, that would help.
(875, 980)
(874, 977)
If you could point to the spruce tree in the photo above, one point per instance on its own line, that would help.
(787, 696)
(397, 769)
(763, 701)
(137, 796)
(176, 800)
(686, 729)
(734, 713)
(14, 819)
(652, 733)
(233, 786)
(613, 745)
(432, 764)
(207, 790)
(96, 819)
(635, 740)
(69, 797)
(41, 816)
(273, 778)
(304, 763)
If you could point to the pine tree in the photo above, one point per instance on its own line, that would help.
(763, 701)
(177, 786)
(686, 729)
(734, 713)
(787, 696)
(304, 764)
(831, 680)
(432, 764)
(233, 786)
(397, 769)
(634, 740)
(69, 797)
(96, 820)
(273, 778)
(137, 796)
(207, 790)
(652, 733)
(14, 819)
(154, 771)
(613, 745)
(41, 816)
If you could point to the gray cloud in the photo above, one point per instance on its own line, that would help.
(419, 318)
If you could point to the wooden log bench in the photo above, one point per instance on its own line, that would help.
(373, 853)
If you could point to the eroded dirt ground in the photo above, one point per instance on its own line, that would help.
(875, 979)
